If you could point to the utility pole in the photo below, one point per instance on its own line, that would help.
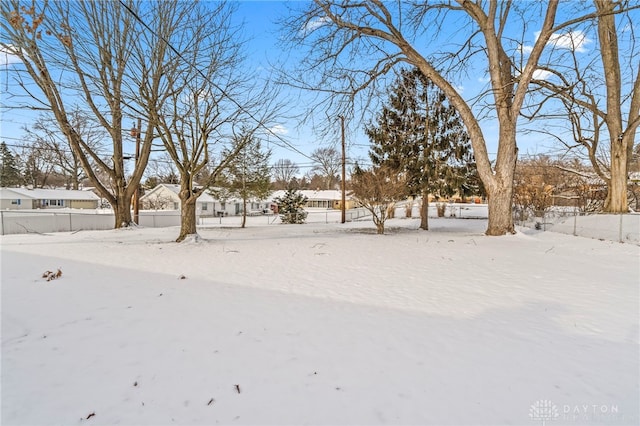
(136, 194)
(344, 173)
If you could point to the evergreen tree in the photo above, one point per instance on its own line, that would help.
(419, 134)
(9, 170)
(291, 207)
(247, 175)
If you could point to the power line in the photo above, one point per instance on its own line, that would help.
(222, 91)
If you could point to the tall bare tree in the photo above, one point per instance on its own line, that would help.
(327, 164)
(283, 173)
(210, 96)
(80, 54)
(38, 165)
(352, 45)
(45, 136)
(603, 123)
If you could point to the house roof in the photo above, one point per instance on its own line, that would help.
(47, 194)
(321, 194)
(206, 197)
(175, 189)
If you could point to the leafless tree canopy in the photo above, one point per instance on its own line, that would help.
(352, 46)
(595, 92)
(93, 56)
(209, 98)
(377, 190)
(327, 163)
(283, 173)
(53, 149)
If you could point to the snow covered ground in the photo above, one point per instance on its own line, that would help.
(320, 324)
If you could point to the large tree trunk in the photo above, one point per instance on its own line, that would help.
(187, 218)
(616, 201)
(500, 215)
(122, 211)
(424, 211)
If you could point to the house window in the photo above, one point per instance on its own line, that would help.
(204, 207)
(176, 206)
(15, 202)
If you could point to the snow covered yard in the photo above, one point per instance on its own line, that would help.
(320, 324)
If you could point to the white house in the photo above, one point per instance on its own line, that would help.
(165, 197)
(28, 199)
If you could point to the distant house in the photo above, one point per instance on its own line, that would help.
(322, 199)
(29, 199)
(165, 197)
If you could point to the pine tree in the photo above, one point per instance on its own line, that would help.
(9, 171)
(247, 175)
(418, 133)
(291, 207)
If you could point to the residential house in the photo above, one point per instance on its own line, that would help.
(322, 199)
(165, 197)
(29, 199)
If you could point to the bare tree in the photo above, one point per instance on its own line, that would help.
(342, 34)
(536, 182)
(157, 202)
(599, 118)
(45, 135)
(327, 164)
(209, 98)
(283, 173)
(38, 165)
(161, 170)
(81, 55)
(377, 190)
(312, 180)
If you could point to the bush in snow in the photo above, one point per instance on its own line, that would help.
(291, 207)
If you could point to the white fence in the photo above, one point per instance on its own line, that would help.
(622, 228)
(42, 221)
(67, 220)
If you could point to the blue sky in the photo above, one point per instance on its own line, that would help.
(262, 30)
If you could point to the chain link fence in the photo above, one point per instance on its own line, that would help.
(624, 228)
(43, 221)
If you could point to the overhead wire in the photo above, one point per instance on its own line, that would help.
(222, 91)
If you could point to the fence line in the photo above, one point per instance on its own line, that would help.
(67, 220)
(43, 221)
(623, 228)
(50, 220)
